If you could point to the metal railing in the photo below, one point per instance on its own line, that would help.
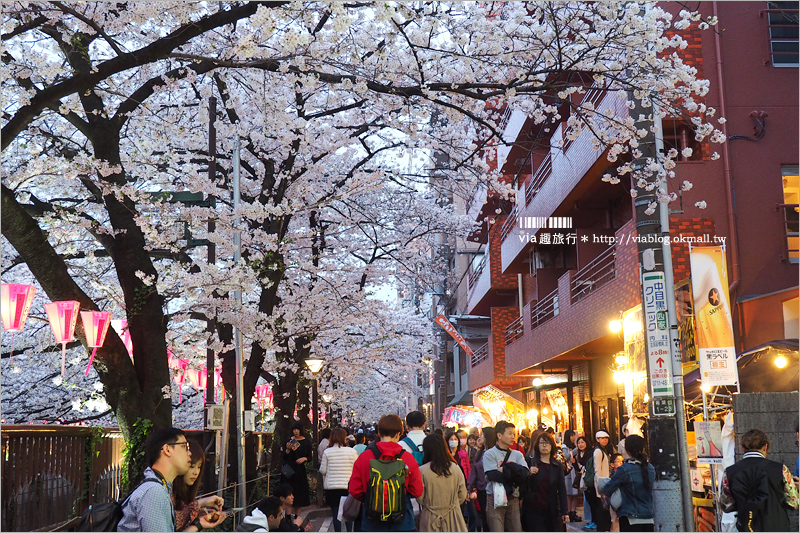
(480, 355)
(594, 275)
(509, 224)
(476, 273)
(538, 179)
(545, 309)
(514, 331)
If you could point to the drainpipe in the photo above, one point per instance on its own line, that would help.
(726, 164)
(519, 289)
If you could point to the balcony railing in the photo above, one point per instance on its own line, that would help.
(480, 355)
(545, 309)
(508, 225)
(538, 179)
(476, 273)
(597, 273)
(514, 331)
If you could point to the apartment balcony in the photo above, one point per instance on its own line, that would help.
(555, 178)
(579, 309)
(478, 283)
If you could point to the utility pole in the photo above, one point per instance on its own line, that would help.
(237, 239)
(209, 435)
(672, 496)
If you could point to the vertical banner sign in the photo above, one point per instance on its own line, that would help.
(713, 317)
(449, 328)
(657, 334)
(633, 339)
(685, 309)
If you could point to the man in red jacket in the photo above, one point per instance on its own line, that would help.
(390, 429)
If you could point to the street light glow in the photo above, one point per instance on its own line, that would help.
(537, 382)
(615, 326)
(781, 361)
(315, 364)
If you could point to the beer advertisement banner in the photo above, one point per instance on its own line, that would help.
(685, 310)
(713, 323)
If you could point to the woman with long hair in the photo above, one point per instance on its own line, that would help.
(444, 489)
(573, 495)
(191, 513)
(635, 481)
(451, 439)
(545, 504)
(336, 468)
(296, 453)
(476, 484)
(582, 453)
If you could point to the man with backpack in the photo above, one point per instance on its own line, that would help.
(758, 489)
(385, 478)
(508, 468)
(412, 442)
(149, 507)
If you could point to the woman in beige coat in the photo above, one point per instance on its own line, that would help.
(445, 489)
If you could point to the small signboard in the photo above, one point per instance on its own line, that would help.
(658, 348)
(708, 436)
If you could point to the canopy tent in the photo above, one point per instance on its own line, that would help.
(757, 373)
(499, 405)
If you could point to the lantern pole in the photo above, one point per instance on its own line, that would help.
(237, 239)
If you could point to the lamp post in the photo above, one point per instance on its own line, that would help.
(315, 364)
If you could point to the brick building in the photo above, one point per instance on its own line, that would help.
(549, 305)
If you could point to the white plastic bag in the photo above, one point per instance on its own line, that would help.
(341, 508)
(500, 496)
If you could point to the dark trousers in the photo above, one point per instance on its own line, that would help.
(624, 525)
(483, 522)
(470, 515)
(600, 516)
(541, 520)
(332, 498)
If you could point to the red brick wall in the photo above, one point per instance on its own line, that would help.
(499, 280)
(501, 317)
(695, 227)
(693, 54)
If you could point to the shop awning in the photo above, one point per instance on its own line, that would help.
(464, 399)
(757, 370)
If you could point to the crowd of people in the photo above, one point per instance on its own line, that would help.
(489, 480)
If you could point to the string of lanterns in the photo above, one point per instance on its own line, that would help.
(15, 303)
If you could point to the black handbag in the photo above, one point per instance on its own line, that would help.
(287, 471)
(576, 483)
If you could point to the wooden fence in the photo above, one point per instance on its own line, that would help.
(45, 480)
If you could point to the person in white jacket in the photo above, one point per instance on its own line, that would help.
(337, 467)
(266, 516)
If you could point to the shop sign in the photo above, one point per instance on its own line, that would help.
(449, 328)
(708, 436)
(713, 322)
(658, 349)
(461, 417)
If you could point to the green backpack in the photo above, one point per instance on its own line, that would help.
(385, 500)
(588, 472)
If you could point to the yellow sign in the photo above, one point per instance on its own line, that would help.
(715, 346)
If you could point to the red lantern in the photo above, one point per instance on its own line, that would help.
(121, 327)
(95, 325)
(63, 316)
(15, 302)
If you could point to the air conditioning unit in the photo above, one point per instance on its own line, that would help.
(215, 417)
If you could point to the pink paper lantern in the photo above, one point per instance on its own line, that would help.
(63, 316)
(95, 325)
(121, 327)
(15, 302)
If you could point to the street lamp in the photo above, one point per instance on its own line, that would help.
(315, 364)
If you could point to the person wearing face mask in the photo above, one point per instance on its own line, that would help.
(452, 442)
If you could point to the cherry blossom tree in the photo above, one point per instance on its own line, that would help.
(339, 108)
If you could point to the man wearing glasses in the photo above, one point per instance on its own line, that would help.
(149, 507)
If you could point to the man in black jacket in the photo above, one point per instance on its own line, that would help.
(759, 490)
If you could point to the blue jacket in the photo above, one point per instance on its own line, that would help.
(637, 501)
